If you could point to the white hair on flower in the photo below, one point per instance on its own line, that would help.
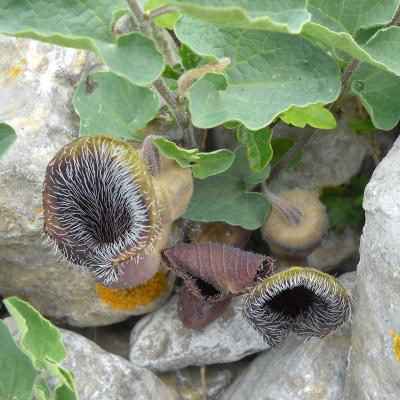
(99, 205)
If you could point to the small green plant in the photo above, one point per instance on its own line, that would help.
(26, 365)
(235, 63)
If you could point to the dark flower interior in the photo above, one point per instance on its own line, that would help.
(292, 302)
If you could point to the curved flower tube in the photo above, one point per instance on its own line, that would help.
(103, 210)
(306, 301)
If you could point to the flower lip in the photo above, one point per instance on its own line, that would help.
(214, 271)
(306, 301)
(100, 209)
(196, 314)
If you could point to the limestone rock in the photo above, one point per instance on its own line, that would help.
(374, 371)
(295, 371)
(161, 343)
(37, 82)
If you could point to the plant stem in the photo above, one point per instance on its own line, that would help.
(165, 9)
(291, 153)
(179, 111)
(349, 71)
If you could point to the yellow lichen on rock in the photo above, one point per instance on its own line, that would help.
(127, 299)
(396, 344)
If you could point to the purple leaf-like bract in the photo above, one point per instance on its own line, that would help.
(213, 271)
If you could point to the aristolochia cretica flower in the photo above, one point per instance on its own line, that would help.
(104, 211)
(306, 301)
(214, 271)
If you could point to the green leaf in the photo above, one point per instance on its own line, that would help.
(171, 150)
(7, 138)
(85, 24)
(202, 164)
(17, 374)
(108, 104)
(271, 15)
(379, 93)
(39, 338)
(41, 391)
(258, 143)
(166, 20)
(269, 72)
(336, 24)
(65, 389)
(314, 115)
(333, 25)
(212, 163)
(362, 126)
(225, 197)
(189, 58)
(134, 57)
(279, 148)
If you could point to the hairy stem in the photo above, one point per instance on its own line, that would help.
(157, 12)
(179, 111)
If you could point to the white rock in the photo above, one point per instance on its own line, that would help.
(374, 372)
(161, 343)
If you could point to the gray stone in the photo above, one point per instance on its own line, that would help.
(374, 371)
(330, 158)
(295, 371)
(37, 83)
(195, 383)
(161, 343)
(314, 370)
(335, 249)
(100, 375)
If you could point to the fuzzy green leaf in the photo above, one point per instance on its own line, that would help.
(212, 163)
(17, 374)
(269, 72)
(7, 138)
(39, 338)
(166, 20)
(203, 164)
(279, 148)
(335, 25)
(85, 24)
(379, 92)
(225, 197)
(314, 115)
(108, 104)
(258, 143)
(249, 14)
(171, 150)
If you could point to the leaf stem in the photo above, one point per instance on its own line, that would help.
(349, 71)
(157, 12)
(179, 111)
(290, 154)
